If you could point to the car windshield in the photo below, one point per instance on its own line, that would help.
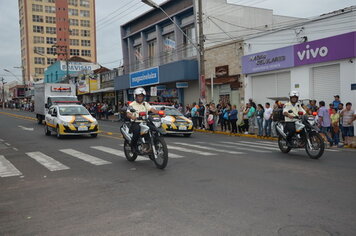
(172, 112)
(73, 110)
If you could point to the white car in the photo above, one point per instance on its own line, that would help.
(70, 119)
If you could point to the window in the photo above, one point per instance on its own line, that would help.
(84, 23)
(38, 39)
(39, 60)
(51, 1)
(86, 43)
(72, 12)
(39, 71)
(50, 19)
(84, 13)
(50, 9)
(74, 52)
(169, 45)
(84, 3)
(74, 42)
(39, 50)
(73, 2)
(151, 52)
(51, 61)
(36, 18)
(52, 51)
(138, 57)
(74, 32)
(51, 30)
(50, 40)
(38, 0)
(85, 33)
(189, 49)
(37, 8)
(86, 53)
(37, 29)
(73, 22)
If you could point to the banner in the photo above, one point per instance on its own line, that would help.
(144, 78)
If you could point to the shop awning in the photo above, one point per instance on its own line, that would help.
(104, 90)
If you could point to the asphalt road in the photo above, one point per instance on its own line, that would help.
(213, 185)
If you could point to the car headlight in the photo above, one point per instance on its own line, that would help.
(95, 122)
(65, 123)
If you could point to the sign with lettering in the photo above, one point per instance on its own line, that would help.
(78, 66)
(144, 77)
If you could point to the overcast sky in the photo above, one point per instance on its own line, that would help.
(110, 14)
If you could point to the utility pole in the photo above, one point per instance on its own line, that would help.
(201, 52)
(3, 92)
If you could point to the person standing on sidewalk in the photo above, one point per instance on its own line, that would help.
(325, 121)
(233, 119)
(259, 116)
(195, 115)
(348, 117)
(201, 111)
(267, 115)
(225, 123)
(337, 101)
(245, 118)
(335, 131)
(251, 115)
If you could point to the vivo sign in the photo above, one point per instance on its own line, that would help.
(328, 49)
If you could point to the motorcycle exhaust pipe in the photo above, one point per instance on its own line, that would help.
(125, 134)
(279, 129)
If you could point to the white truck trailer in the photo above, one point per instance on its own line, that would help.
(47, 94)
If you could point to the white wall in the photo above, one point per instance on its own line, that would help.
(191, 94)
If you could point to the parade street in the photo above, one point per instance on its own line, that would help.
(213, 185)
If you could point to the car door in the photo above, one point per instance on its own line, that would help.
(48, 117)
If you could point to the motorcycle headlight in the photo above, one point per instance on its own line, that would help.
(157, 124)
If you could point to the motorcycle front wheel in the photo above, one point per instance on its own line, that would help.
(130, 156)
(316, 150)
(282, 144)
(162, 153)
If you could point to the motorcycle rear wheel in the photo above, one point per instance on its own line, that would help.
(162, 151)
(282, 144)
(315, 138)
(130, 156)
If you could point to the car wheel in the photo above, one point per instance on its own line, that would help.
(58, 135)
(47, 131)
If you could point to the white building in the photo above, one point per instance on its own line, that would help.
(316, 58)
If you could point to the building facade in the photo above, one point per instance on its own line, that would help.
(316, 58)
(54, 30)
(158, 56)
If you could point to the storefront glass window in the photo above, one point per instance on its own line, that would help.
(169, 47)
(189, 49)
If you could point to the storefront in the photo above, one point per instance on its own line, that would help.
(318, 69)
(173, 82)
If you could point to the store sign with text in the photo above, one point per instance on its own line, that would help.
(144, 78)
(78, 66)
(327, 49)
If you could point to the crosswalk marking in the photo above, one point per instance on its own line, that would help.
(181, 149)
(251, 145)
(85, 157)
(122, 154)
(208, 148)
(231, 146)
(7, 169)
(47, 161)
(260, 144)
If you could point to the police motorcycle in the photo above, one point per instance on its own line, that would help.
(150, 143)
(307, 135)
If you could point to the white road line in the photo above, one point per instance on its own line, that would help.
(7, 169)
(15, 149)
(266, 142)
(253, 146)
(47, 161)
(85, 157)
(258, 143)
(7, 144)
(1, 140)
(208, 148)
(239, 148)
(120, 153)
(181, 149)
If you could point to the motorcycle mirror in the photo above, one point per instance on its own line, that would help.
(290, 111)
(132, 110)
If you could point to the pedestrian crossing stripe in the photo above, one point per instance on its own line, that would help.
(239, 148)
(47, 161)
(7, 169)
(85, 157)
(255, 145)
(208, 148)
(181, 149)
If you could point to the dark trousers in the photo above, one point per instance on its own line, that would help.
(233, 126)
(135, 130)
(245, 127)
(225, 124)
(290, 130)
(200, 122)
(195, 122)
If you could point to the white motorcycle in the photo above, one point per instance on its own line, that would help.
(150, 143)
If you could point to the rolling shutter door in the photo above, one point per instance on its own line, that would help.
(326, 83)
(271, 85)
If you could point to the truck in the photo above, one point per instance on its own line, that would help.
(47, 94)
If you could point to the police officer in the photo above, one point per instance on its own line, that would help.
(290, 119)
(140, 106)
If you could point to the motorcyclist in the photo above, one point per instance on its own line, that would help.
(290, 118)
(140, 106)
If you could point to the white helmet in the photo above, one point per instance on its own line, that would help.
(139, 91)
(294, 94)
